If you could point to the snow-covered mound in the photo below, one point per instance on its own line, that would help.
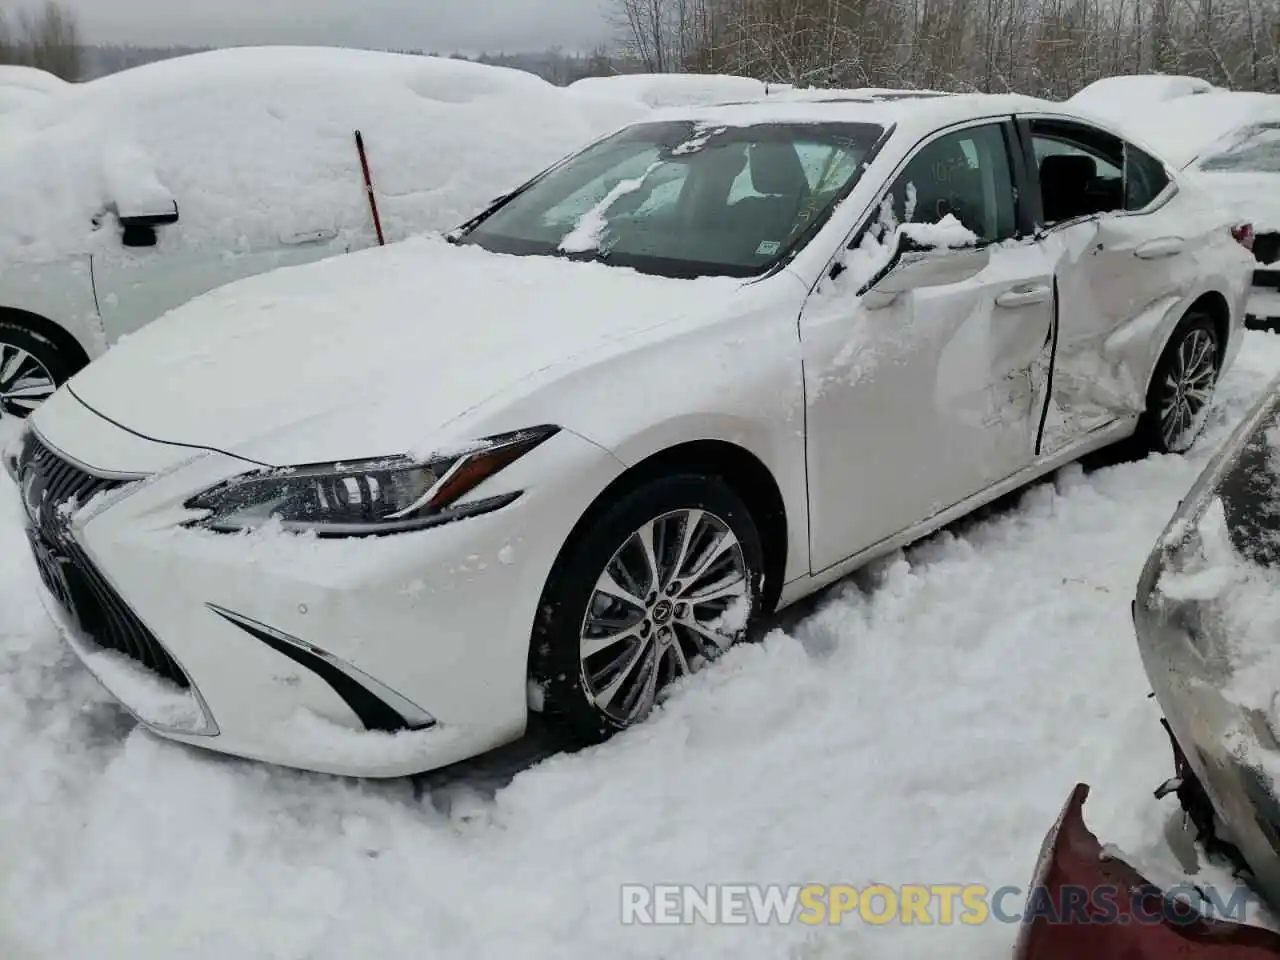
(659, 90)
(22, 88)
(1125, 97)
(258, 143)
(31, 78)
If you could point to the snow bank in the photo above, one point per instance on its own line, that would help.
(658, 90)
(257, 144)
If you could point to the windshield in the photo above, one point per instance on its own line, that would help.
(1256, 149)
(679, 199)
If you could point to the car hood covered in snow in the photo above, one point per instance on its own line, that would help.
(370, 354)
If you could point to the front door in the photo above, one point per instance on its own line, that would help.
(916, 406)
(135, 285)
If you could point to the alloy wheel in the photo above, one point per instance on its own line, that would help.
(1188, 388)
(25, 382)
(675, 595)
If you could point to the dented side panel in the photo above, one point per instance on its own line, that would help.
(1124, 281)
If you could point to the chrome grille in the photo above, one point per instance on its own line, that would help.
(49, 483)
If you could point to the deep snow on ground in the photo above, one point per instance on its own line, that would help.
(923, 725)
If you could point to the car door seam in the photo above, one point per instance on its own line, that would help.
(1053, 360)
(93, 285)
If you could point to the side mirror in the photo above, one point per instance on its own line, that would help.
(139, 226)
(914, 267)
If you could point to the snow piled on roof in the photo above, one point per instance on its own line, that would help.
(922, 108)
(258, 143)
(1119, 98)
(659, 90)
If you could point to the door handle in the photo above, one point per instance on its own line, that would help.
(1155, 249)
(1024, 296)
(313, 236)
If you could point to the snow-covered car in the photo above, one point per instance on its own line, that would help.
(660, 90)
(1206, 614)
(128, 195)
(1229, 142)
(22, 88)
(1121, 97)
(582, 446)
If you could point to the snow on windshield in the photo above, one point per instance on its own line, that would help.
(682, 198)
(257, 144)
(589, 231)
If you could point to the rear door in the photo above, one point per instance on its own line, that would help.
(1119, 256)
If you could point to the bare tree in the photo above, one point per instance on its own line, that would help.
(1043, 47)
(48, 39)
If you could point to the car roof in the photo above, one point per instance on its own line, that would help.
(922, 108)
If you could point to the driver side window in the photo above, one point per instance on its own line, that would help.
(965, 174)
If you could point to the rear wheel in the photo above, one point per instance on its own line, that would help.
(31, 369)
(662, 583)
(1182, 386)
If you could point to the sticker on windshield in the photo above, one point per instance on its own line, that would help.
(767, 248)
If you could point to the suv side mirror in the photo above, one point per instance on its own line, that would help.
(140, 228)
(915, 266)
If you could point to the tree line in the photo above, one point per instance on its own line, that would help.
(1047, 48)
(46, 38)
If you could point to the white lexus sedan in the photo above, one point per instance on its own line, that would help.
(363, 516)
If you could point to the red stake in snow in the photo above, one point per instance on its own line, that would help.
(368, 186)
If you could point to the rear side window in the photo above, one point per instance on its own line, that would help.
(1081, 170)
(1144, 178)
(1085, 171)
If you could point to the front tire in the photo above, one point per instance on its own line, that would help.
(1182, 386)
(31, 369)
(660, 583)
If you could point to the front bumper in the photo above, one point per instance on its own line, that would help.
(300, 651)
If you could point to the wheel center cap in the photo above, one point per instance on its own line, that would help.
(662, 611)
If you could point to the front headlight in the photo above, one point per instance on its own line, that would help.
(368, 497)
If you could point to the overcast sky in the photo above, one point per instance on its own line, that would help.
(444, 25)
